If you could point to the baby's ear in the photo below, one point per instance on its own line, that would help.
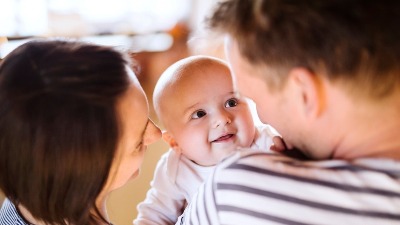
(167, 136)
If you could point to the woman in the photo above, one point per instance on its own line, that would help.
(74, 126)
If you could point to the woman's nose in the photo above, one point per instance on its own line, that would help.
(153, 133)
(221, 118)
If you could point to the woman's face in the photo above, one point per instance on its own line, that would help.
(138, 131)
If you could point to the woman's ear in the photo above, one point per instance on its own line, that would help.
(170, 140)
(311, 91)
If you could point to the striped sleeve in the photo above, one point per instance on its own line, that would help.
(260, 188)
(9, 214)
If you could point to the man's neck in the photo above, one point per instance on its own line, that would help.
(372, 131)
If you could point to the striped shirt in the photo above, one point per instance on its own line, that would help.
(261, 188)
(9, 214)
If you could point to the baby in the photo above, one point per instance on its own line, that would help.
(205, 121)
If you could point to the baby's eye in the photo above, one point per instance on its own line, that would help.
(198, 114)
(231, 103)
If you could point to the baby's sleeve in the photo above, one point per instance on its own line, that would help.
(263, 138)
(163, 203)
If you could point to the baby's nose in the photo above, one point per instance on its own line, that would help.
(222, 117)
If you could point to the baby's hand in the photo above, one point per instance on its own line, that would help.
(279, 144)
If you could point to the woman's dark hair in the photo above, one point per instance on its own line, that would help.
(59, 127)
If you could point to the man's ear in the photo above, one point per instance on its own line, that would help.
(311, 91)
(167, 136)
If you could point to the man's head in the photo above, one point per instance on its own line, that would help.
(353, 41)
(291, 56)
(203, 116)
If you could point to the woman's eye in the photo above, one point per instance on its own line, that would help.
(198, 114)
(139, 148)
(231, 102)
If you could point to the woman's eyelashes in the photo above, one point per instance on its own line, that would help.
(139, 148)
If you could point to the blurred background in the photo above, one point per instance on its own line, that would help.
(139, 25)
(157, 33)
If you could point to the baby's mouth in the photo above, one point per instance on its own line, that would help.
(223, 138)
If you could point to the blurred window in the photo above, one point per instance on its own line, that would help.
(89, 17)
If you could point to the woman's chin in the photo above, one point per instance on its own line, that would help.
(121, 184)
(134, 175)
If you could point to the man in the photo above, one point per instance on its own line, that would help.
(326, 75)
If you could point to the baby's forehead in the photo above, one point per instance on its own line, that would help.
(202, 61)
(199, 69)
(191, 76)
(201, 80)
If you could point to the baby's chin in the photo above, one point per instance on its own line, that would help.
(216, 157)
(226, 152)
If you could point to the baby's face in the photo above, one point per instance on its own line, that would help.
(207, 119)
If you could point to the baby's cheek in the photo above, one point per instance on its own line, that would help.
(246, 137)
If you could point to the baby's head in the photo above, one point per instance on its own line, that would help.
(203, 116)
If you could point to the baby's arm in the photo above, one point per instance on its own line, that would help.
(164, 203)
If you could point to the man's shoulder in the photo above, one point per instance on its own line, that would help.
(256, 186)
(254, 157)
(252, 187)
(250, 162)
